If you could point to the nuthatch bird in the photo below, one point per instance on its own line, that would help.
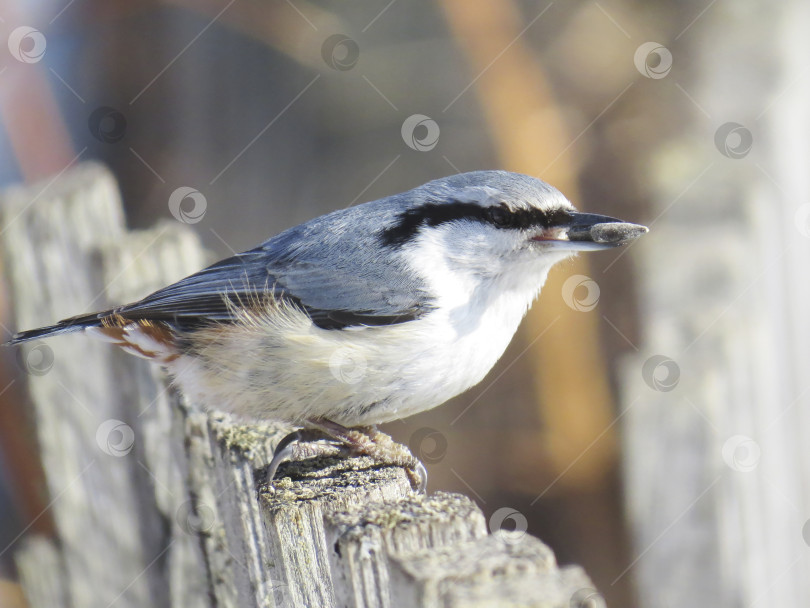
(364, 315)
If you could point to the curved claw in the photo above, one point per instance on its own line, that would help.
(283, 451)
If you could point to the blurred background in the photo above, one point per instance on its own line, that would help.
(647, 420)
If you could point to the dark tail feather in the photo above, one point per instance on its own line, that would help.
(65, 326)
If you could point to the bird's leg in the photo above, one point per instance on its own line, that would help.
(369, 441)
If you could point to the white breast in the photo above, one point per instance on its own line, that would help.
(456, 346)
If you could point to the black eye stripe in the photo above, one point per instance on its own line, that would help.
(528, 218)
(500, 216)
(429, 214)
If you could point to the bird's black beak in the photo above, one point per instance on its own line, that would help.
(602, 230)
(590, 231)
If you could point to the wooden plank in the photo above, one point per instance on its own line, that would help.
(716, 452)
(502, 569)
(360, 541)
(294, 513)
(223, 455)
(89, 437)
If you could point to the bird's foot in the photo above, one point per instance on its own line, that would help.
(358, 441)
(371, 442)
(302, 444)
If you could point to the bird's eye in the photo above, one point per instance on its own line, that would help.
(499, 216)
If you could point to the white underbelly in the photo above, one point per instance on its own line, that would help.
(291, 370)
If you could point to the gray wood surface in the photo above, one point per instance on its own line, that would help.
(717, 463)
(362, 542)
(157, 503)
(496, 570)
(86, 404)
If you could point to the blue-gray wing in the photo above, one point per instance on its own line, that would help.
(332, 268)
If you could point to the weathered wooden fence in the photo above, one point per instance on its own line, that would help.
(155, 502)
(716, 403)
